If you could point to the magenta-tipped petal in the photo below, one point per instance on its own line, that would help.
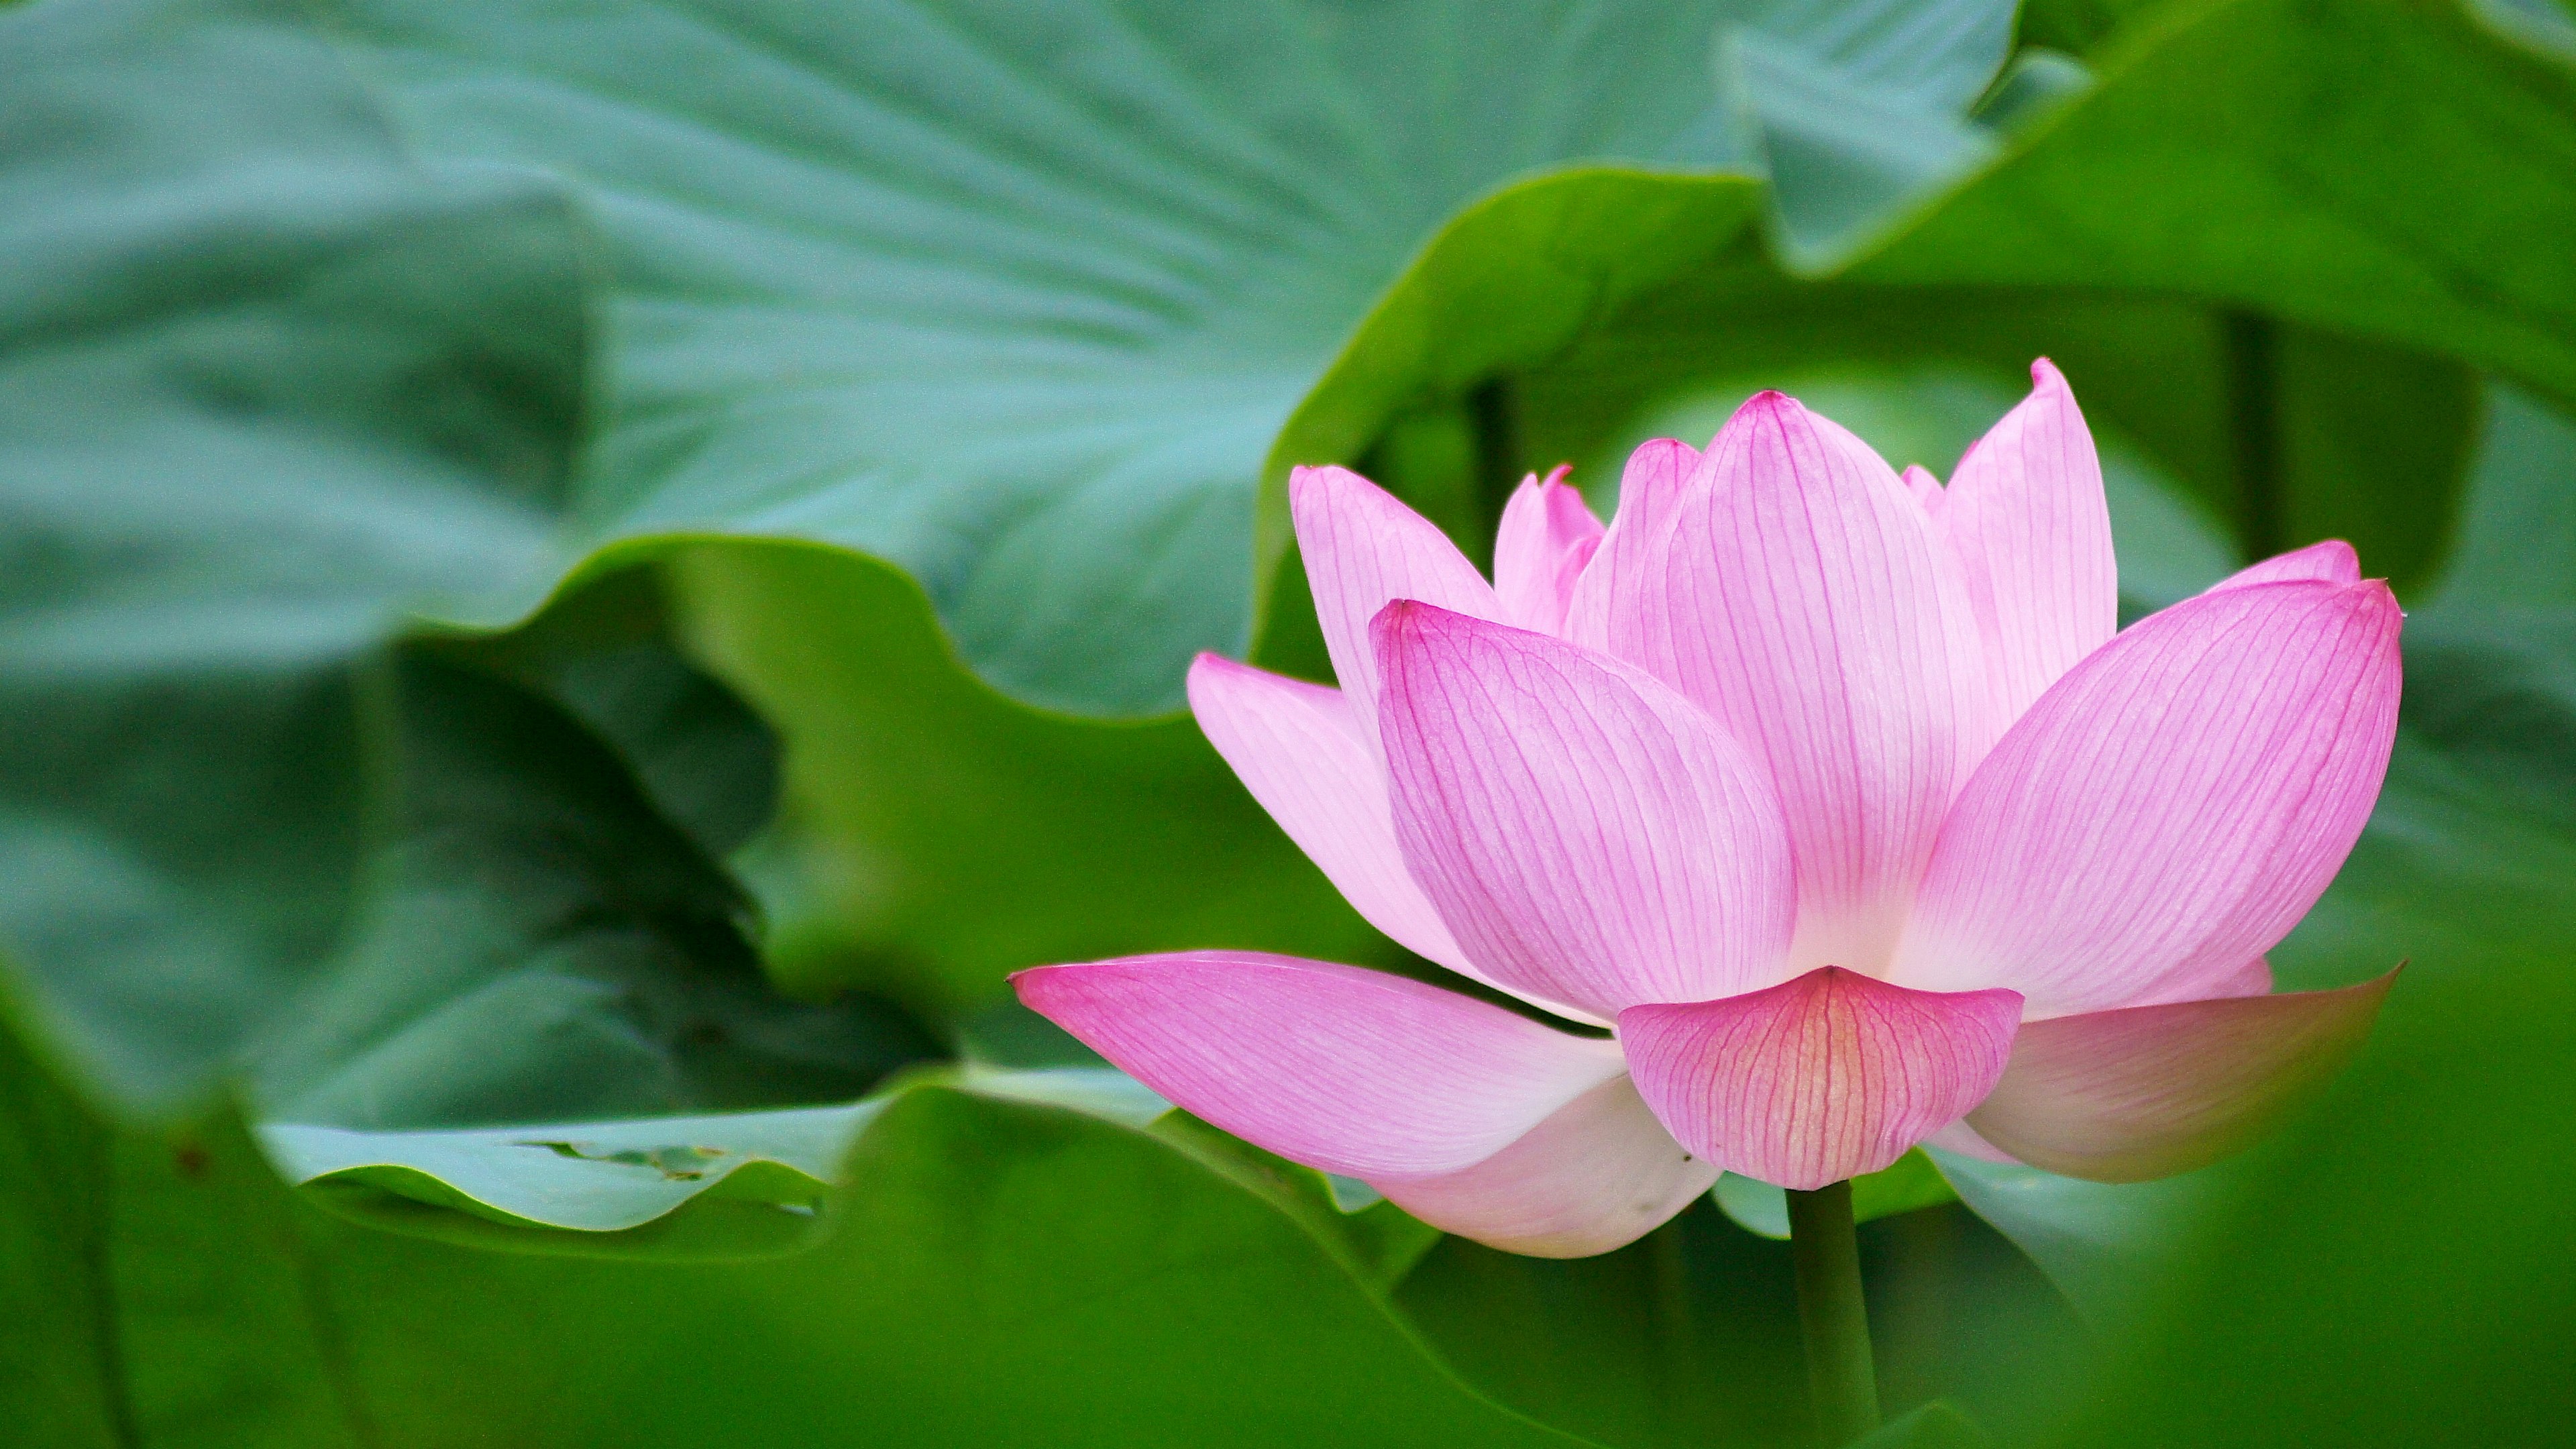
(1548, 536)
(1650, 488)
(1351, 1071)
(1598, 1175)
(2169, 809)
(1302, 753)
(1818, 1079)
(1362, 547)
(2330, 562)
(2149, 1091)
(1588, 835)
(1801, 598)
(2026, 516)
(1925, 488)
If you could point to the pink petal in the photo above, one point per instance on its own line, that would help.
(1800, 598)
(1362, 547)
(1598, 1175)
(1547, 537)
(2245, 978)
(1588, 835)
(1650, 488)
(1302, 753)
(1925, 488)
(2149, 1091)
(2331, 562)
(1342, 1069)
(1818, 1079)
(2026, 516)
(2169, 809)
(1961, 1138)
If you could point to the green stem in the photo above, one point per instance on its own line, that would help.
(1841, 1381)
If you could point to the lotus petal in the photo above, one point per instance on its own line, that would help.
(2148, 1091)
(1588, 835)
(1351, 1071)
(1818, 1079)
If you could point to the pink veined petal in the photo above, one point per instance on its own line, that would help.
(2026, 516)
(1350, 1071)
(1362, 547)
(1598, 1175)
(2168, 810)
(1547, 537)
(2149, 1091)
(1961, 1138)
(1818, 1079)
(1650, 488)
(2246, 978)
(1801, 598)
(1925, 488)
(2330, 562)
(1588, 835)
(1304, 755)
(1857, 451)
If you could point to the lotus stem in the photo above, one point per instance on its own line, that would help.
(1841, 1380)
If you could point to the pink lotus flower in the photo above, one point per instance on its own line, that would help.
(1834, 793)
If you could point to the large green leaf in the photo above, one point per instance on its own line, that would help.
(2491, 663)
(2387, 170)
(58, 1323)
(994, 1273)
(542, 945)
(905, 282)
(268, 383)
(962, 836)
(749, 1182)
(1014, 296)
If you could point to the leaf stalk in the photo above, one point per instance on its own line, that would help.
(1842, 1381)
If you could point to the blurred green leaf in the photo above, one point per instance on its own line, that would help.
(1014, 296)
(958, 836)
(57, 1317)
(1686, 1337)
(541, 945)
(600, 1178)
(1934, 55)
(2386, 171)
(1689, 1337)
(2103, 1244)
(605, 654)
(994, 1273)
(1933, 1426)
(1842, 154)
(268, 384)
(750, 1181)
(2036, 82)
(2491, 661)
